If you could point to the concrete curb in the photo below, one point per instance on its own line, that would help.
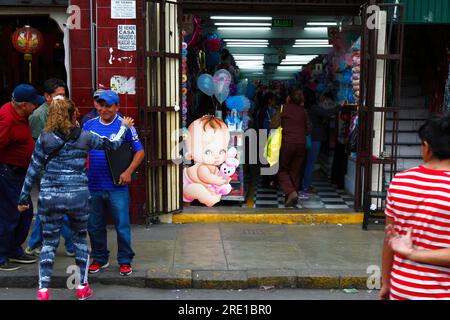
(206, 279)
(271, 218)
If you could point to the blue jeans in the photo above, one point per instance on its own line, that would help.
(117, 204)
(311, 158)
(36, 234)
(14, 226)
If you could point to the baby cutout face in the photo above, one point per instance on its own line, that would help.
(207, 141)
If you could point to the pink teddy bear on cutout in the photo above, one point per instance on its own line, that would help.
(227, 169)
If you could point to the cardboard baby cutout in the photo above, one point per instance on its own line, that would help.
(207, 145)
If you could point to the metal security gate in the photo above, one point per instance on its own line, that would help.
(382, 51)
(160, 76)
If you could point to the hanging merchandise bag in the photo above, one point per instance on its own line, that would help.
(273, 144)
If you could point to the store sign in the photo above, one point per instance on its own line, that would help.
(123, 9)
(282, 23)
(126, 37)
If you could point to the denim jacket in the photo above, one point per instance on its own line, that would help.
(67, 170)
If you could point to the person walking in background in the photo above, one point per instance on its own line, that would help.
(264, 118)
(106, 197)
(16, 147)
(61, 151)
(95, 112)
(416, 252)
(38, 120)
(319, 116)
(293, 146)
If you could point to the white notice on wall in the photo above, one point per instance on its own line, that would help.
(126, 37)
(123, 9)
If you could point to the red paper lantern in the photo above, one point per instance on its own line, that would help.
(27, 40)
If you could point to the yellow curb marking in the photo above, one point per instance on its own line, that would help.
(269, 218)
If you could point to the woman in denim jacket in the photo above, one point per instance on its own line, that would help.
(62, 151)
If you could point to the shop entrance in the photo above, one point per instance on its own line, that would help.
(322, 48)
(17, 67)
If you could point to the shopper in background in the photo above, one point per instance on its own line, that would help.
(16, 147)
(416, 253)
(61, 152)
(319, 115)
(38, 120)
(95, 112)
(295, 126)
(106, 198)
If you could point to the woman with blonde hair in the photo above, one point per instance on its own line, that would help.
(61, 151)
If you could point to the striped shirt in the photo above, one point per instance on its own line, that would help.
(419, 198)
(99, 176)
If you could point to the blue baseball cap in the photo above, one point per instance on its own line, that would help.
(109, 96)
(27, 93)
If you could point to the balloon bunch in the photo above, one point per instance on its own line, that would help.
(184, 109)
(218, 85)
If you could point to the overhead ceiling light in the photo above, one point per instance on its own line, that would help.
(239, 18)
(288, 68)
(252, 68)
(244, 28)
(247, 45)
(316, 29)
(296, 57)
(293, 63)
(250, 24)
(312, 46)
(246, 40)
(312, 40)
(245, 57)
(321, 23)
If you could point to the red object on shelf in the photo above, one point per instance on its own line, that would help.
(213, 45)
(27, 40)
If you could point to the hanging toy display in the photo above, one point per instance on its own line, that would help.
(27, 40)
(356, 70)
(184, 109)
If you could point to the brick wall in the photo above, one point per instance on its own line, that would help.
(81, 91)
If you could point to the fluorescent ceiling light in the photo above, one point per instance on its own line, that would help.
(321, 23)
(246, 40)
(247, 45)
(243, 24)
(300, 57)
(248, 58)
(316, 29)
(239, 18)
(293, 63)
(312, 46)
(312, 40)
(244, 28)
(288, 68)
(252, 68)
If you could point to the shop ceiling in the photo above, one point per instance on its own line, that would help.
(269, 51)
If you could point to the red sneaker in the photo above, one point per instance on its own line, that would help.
(43, 295)
(97, 266)
(84, 293)
(125, 269)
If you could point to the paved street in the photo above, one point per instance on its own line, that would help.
(102, 292)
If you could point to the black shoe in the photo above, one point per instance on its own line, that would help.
(8, 266)
(292, 200)
(25, 259)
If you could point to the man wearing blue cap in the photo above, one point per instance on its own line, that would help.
(16, 148)
(105, 196)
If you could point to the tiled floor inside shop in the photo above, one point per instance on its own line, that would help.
(327, 196)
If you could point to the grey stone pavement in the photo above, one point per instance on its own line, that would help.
(232, 256)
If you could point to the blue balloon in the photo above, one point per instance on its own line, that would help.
(251, 91)
(240, 103)
(206, 84)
